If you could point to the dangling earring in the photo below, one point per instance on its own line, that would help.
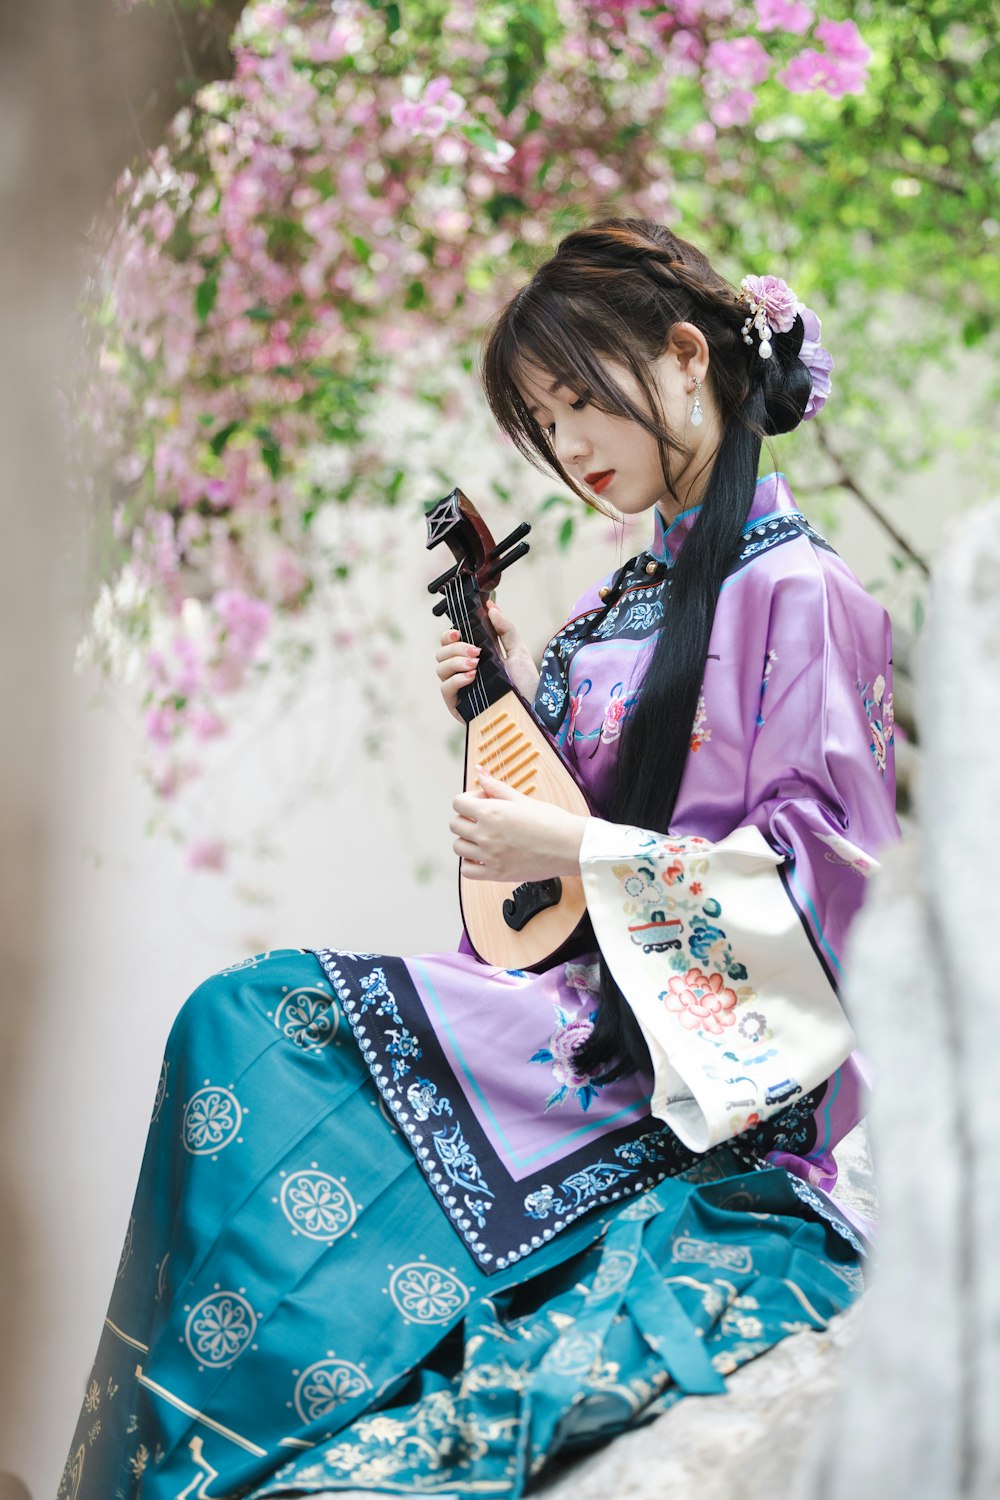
(697, 415)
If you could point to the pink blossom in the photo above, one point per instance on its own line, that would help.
(742, 61)
(206, 854)
(205, 724)
(812, 70)
(439, 107)
(783, 15)
(161, 220)
(246, 621)
(162, 725)
(843, 40)
(733, 107)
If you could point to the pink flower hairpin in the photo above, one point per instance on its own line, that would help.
(773, 306)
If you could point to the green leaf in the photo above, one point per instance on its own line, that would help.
(566, 532)
(270, 450)
(204, 297)
(480, 136)
(221, 438)
(918, 614)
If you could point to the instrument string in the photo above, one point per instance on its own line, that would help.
(477, 694)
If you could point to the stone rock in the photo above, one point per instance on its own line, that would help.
(923, 1391)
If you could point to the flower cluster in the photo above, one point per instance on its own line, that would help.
(310, 226)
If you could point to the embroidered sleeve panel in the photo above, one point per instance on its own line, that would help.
(739, 1016)
(729, 951)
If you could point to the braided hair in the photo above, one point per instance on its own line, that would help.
(614, 291)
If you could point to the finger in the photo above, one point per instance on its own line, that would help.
(471, 853)
(493, 787)
(449, 636)
(457, 651)
(463, 828)
(459, 668)
(468, 805)
(473, 871)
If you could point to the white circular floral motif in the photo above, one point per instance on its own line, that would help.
(427, 1294)
(327, 1384)
(308, 1017)
(219, 1328)
(613, 1273)
(212, 1118)
(573, 1354)
(317, 1205)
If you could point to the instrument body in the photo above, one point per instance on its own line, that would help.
(533, 924)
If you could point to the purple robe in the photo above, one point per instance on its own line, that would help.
(726, 936)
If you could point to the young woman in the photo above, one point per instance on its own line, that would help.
(416, 1225)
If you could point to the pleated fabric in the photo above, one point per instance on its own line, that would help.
(293, 1312)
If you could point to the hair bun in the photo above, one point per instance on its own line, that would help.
(785, 379)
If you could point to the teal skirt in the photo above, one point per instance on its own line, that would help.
(293, 1312)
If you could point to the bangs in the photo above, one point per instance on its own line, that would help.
(568, 338)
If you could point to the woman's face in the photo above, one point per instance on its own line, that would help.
(613, 456)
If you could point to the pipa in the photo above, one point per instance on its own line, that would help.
(530, 925)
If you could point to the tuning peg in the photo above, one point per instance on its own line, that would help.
(445, 578)
(519, 551)
(515, 536)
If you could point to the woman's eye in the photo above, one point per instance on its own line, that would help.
(580, 402)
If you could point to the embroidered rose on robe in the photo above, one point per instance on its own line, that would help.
(614, 714)
(881, 719)
(700, 1001)
(571, 1033)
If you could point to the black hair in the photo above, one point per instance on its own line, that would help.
(614, 291)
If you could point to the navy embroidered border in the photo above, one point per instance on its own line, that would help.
(500, 1220)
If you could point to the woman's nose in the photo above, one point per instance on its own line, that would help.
(570, 446)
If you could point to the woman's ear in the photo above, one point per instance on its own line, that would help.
(689, 347)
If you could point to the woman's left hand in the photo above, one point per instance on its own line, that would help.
(503, 835)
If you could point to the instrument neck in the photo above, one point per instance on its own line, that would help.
(467, 611)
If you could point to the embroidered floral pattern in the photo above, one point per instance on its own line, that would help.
(700, 735)
(401, 1045)
(571, 1033)
(614, 715)
(881, 719)
(701, 1001)
(772, 657)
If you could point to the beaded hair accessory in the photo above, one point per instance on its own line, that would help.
(773, 306)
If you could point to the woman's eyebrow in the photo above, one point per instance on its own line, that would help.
(555, 386)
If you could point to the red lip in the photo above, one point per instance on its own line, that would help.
(598, 479)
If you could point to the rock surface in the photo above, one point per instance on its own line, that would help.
(923, 1393)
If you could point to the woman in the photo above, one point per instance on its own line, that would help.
(417, 1225)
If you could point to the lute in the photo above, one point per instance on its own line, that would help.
(532, 924)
